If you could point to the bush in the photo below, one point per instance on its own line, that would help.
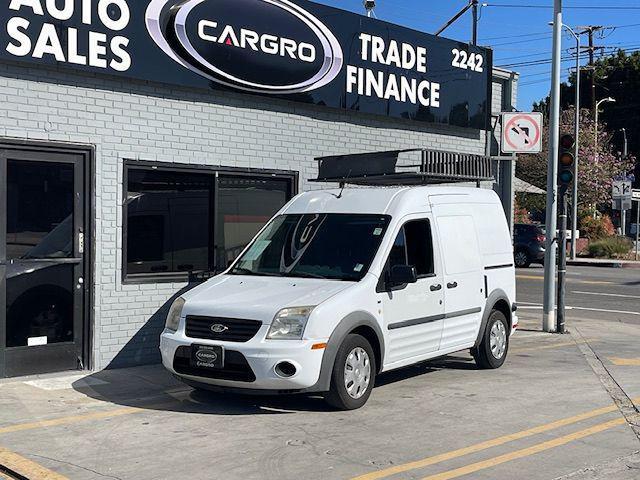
(610, 247)
(597, 228)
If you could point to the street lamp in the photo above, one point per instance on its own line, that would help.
(604, 100)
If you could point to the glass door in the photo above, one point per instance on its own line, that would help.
(41, 261)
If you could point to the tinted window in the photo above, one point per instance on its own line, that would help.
(245, 204)
(413, 246)
(168, 221)
(40, 220)
(171, 217)
(335, 246)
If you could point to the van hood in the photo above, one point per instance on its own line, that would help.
(257, 298)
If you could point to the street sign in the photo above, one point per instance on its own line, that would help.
(621, 204)
(635, 195)
(621, 190)
(522, 132)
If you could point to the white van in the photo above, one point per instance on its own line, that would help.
(342, 285)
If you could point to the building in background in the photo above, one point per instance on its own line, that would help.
(141, 150)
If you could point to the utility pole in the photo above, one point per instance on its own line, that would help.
(474, 36)
(590, 30)
(623, 212)
(548, 317)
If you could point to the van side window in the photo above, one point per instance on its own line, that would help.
(414, 246)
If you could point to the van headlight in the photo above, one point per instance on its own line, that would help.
(289, 323)
(173, 318)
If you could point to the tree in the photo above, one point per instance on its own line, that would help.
(616, 76)
(597, 165)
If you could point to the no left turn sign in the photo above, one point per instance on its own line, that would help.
(521, 132)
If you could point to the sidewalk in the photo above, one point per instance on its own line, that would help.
(600, 262)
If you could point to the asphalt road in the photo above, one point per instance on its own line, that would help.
(607, 294)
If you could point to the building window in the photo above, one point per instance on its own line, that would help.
(245, 204)
(170, 217)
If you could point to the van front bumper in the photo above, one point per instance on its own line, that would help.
(248, 366)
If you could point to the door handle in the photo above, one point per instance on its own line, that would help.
(435, 288)
(452, 285)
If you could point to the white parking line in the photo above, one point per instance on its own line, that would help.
(608, 294)
(536, 306)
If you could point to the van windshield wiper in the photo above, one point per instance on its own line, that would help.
(306, 275)
(246, 271)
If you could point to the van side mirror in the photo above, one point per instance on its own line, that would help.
(401, 275)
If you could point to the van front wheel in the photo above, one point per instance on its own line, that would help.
(493, 348)
(353, 374)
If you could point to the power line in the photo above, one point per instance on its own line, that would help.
(574, 7)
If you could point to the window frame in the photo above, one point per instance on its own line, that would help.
(214, 172)
(382, 283)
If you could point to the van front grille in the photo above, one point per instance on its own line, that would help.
(222, 329)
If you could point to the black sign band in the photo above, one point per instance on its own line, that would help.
(296, 50)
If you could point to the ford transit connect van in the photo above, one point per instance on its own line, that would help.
(342, 285)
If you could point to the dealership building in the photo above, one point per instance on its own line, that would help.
(143, 143)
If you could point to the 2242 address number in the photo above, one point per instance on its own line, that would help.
(463, 60)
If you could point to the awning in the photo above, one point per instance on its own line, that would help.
(520, 186)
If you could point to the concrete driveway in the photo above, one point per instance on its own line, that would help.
(561, 407)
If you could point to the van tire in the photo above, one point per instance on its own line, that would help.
(483, 354)
(338, 396)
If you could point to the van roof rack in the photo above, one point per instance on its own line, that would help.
(405, 167)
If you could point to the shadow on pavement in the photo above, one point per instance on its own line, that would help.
(151, 387)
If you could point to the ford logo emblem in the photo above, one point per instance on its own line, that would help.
(218, 328)
(261, 46)
(207, 356)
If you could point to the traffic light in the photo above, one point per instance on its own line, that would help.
(566, 160)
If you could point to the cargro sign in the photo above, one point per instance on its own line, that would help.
(300, 51)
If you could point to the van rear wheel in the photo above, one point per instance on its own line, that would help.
(353, 374)
(493, 348)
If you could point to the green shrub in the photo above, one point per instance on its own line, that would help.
(610, 247)
(597, 228)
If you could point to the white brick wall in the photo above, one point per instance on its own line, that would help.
(125, 119)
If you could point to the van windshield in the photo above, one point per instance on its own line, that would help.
(331, 246)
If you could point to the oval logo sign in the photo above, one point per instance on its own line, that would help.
(218, 328)
(261, 46)
(207, 356)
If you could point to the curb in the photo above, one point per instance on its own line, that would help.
(606, 264)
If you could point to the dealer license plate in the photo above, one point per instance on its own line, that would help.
(207, 356)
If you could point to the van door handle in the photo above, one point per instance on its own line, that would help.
(435, 288)
(452, 285)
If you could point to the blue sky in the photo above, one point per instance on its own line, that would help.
(517, 34)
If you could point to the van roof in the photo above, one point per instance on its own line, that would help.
(392, 201)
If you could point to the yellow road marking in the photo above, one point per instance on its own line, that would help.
(25, 467)
(425, 462)
(70, 419)
(546, 347)
(625, 361)
(526, 452)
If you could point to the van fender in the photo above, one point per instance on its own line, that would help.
(346, 325)
(496, 295)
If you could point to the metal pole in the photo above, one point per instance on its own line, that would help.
(562, 258)
(574, 216)
(548, 316)
(475, 22)
(455, 17)
(637, 227)
(623, 213)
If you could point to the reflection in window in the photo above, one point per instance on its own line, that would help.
(413, 246)
(245, 205)
(170, 217)
(168, 223)
(40, 213)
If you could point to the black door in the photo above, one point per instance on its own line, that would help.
(42, 264)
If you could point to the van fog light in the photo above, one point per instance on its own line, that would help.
(285, 369)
